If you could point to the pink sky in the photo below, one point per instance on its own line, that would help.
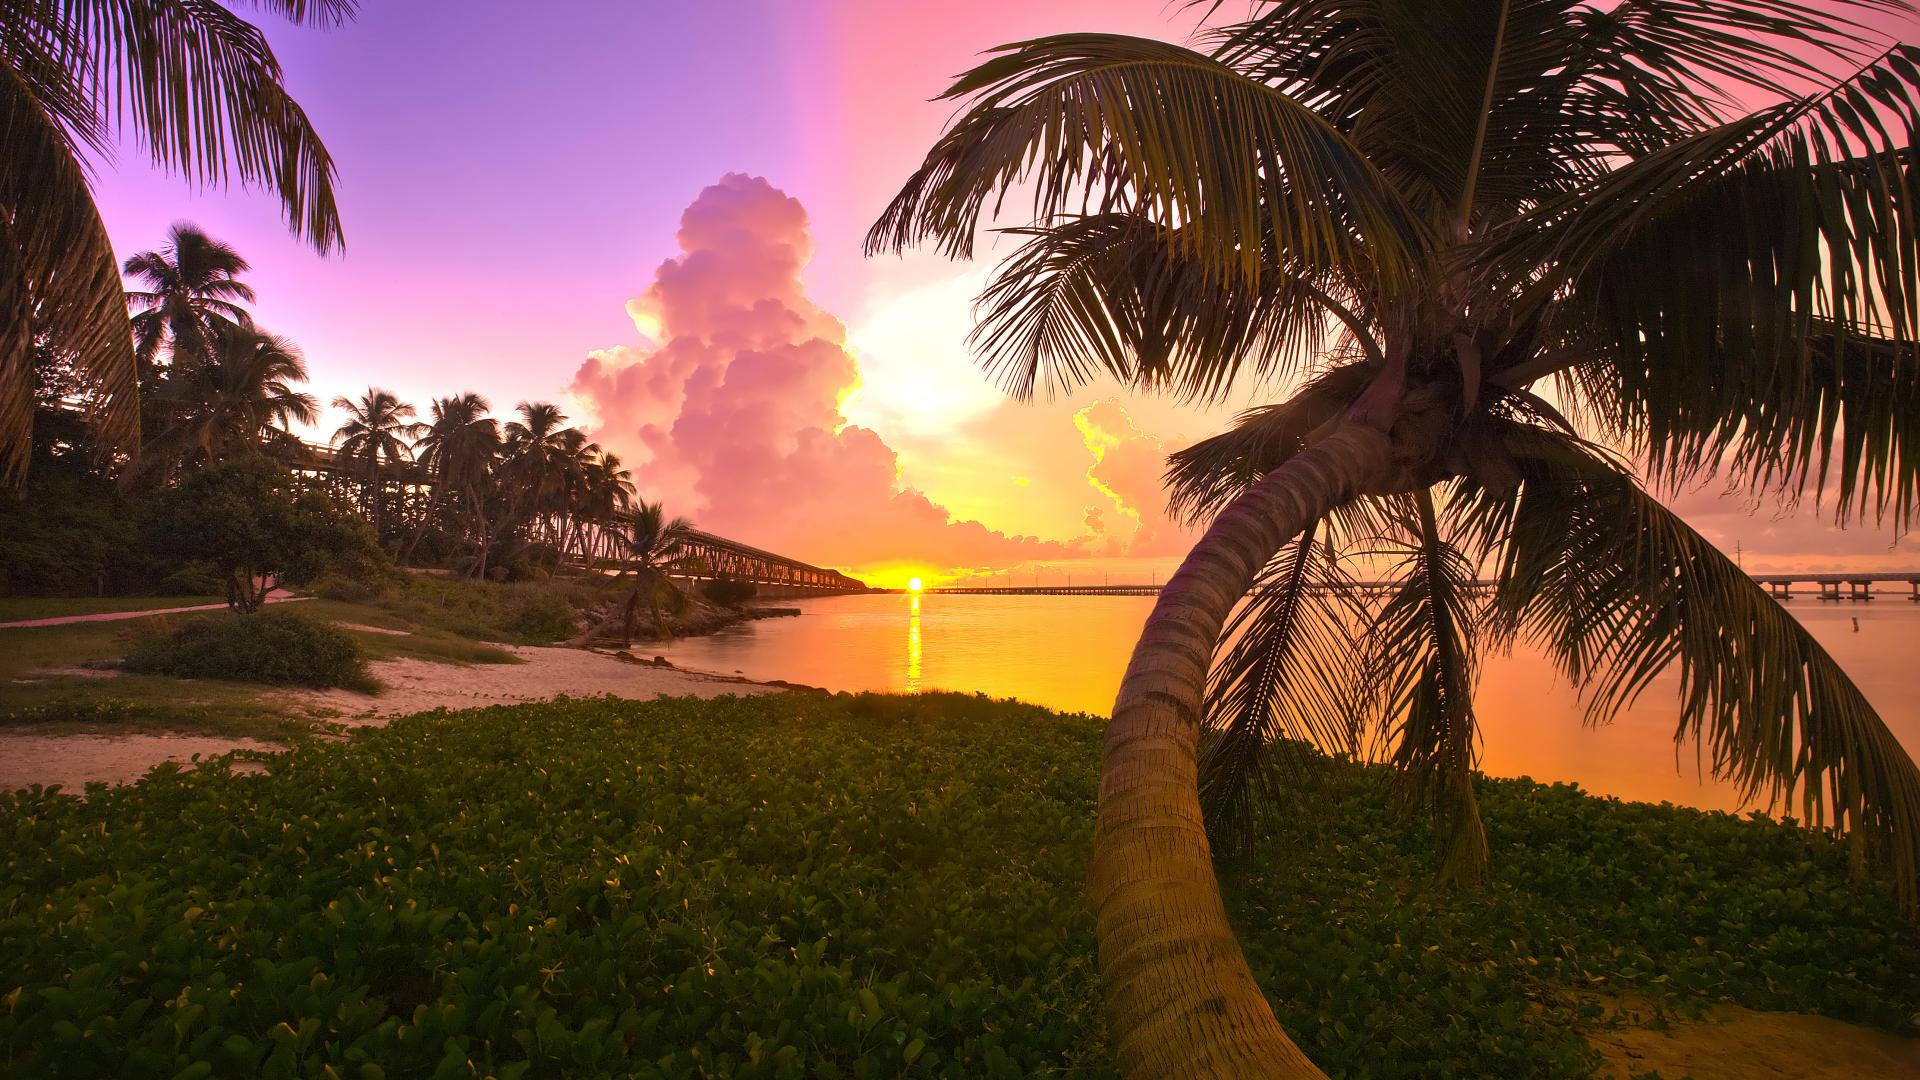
(514, 185)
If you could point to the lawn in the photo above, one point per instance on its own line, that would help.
(804, 885)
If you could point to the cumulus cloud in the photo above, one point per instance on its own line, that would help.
(1128, 464)
(731, 406)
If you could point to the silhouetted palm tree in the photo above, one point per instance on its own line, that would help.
(195, 85)
(1462, 200)
(238, 399)
(192, 292)
(375, 437)
(460, 451)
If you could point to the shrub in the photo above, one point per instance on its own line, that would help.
(197, 578)
(730, 591)
(543, 618)
(274, 647)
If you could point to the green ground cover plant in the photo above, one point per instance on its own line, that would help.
(803, 885)
(275, 646)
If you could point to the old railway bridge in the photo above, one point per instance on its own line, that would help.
(713, 554)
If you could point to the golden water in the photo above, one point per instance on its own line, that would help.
(1068, 652)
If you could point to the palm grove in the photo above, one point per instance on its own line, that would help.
(118, 394)
(1521, 258)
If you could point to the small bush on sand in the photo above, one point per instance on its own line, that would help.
(275, 647)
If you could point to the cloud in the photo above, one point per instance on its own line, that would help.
(1128, 466)
(732, 406)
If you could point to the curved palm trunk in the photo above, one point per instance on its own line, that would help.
(1182, 1001)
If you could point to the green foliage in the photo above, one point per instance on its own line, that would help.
(801, 885)
(730, 591)
(248, 517)
(201, 577)
(273, 647)
(518, 613)
(69, 532)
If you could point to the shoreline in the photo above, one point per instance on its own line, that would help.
(32, 755)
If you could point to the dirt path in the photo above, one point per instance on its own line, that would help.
(74, 760)
(110, 616)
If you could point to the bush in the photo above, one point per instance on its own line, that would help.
(730, 591)
(274, 647)
(197, 578)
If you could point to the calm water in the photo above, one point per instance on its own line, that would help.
(1068, 653)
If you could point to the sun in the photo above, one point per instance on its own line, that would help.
(913, 584)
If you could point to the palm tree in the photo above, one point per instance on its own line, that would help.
(652, 545)
(375, 436)
(1433, 210)
(460, 450)
(240, 399)
(606, 494)
(192, 294)
(193, 83)
(536, 452)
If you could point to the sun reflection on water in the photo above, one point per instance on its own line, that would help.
(913, 644)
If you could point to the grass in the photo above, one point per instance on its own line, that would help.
(803, 885)
(515, 613)
(26, 608)
(85, 703)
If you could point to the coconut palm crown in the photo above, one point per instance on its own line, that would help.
(1483, 238)
(376, 436)
(191, 83)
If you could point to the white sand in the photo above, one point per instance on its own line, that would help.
(413, 686)
(417, 685)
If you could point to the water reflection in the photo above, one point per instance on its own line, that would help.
(1069, 652)
(913, 643)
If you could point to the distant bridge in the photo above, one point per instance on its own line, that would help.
(1846, 586)
(746, 563)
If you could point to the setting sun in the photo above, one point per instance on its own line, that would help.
(913, 584)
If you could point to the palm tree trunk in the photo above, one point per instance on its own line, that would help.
(1180, 996)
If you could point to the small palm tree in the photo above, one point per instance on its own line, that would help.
(652, 544)
(238, 399)
(1435, 212)
(194, 84)
(192, 293)
(375, 437)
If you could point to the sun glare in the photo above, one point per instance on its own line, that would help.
(913, 584)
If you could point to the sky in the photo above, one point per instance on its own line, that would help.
(652, 213)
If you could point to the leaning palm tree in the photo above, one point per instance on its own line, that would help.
(191, 294)
(198, 88)
(1440, 214)
(238, 399)
(375, 437)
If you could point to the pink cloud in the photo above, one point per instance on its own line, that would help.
(1128, 466)
(732, 405)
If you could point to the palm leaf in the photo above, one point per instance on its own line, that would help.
(1289, 673)
(59, 280)
(1425, 658)
(1118, 292)
(1618, 589)
(202, 89)
(1121, 123)
(1207, 476)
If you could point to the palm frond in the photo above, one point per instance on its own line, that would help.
(1289, 673)
(1425, 658)
(1754, 293)
(1209, 474)
(1106, 122)
(1118, 292)
(202, 89)
(1618, 589)
(59, 280)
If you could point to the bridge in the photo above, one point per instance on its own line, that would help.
(1844, 586)
(746, 563)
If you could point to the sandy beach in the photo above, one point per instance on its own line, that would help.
(412, 686)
